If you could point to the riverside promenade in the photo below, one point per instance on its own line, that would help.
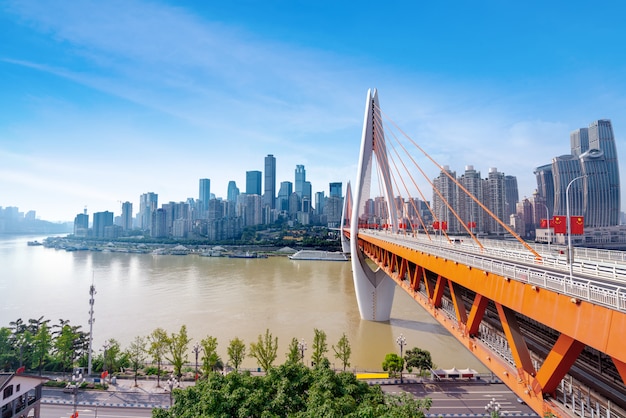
(462, 398)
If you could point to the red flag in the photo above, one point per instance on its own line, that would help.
(20, 370)
(551, 223)
(560, 227)
(436, 225)
(471, 224)
(576, 225)
(444, 226)
(543, 223)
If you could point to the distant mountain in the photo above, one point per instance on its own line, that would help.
(36, 226)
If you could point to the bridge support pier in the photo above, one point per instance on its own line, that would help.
(374, 289)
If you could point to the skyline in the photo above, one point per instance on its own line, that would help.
(104, 102)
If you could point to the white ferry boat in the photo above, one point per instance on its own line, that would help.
(319, 255)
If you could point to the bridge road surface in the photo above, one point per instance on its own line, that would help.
(464, 399)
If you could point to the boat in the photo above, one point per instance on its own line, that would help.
(319, 255)
(33, 243)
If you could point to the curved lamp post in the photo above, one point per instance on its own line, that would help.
(401, 342)
(569, 232)
(196, 350)
(302, 347)
(172, 383)
(493, 408)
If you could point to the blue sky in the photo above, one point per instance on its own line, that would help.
(103, 101)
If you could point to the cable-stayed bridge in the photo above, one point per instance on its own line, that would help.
(550, 325)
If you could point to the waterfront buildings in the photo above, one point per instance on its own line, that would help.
(590, 171)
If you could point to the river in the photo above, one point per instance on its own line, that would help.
(217, 296)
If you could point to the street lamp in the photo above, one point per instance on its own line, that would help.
(548, 225)
(77, 379)
(569, 232)
(302, 347)
(493, 408)
(106, 346)
(401, 341)
(172, 383)
(196, 350)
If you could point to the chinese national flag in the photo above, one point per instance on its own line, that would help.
(444, 226)
(576, 225)
(436, 225)
(543, 223)
(560, 227)
(471, 224)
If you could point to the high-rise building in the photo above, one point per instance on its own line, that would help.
(494, 191)
(205, 195)
(300, 180)
(336, 189)
(596, 194)
(148, 203)
(127, 216)
(101, 220)
(469, 210)
(81, 224)
(447, 193)
(511, 195)
(286, 189)
(253, 182)
(607, 198)
(233, 191)
(269, 196)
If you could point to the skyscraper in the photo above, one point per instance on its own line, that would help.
(286, 189)
(233, 191)
(269, 196)
(253, 182)
(300, 179)
(335, 189)
(148, 203)
(601, 138)
(596, 195)
(127, 216)
(205, 194)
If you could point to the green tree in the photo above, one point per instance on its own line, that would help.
(177, 349)
(42, 344)
(293, 353)
(265, 350)
(157, 347)
(419, 359)
(293, 390)
(393, 364)
(210, 359)
(65, 348)
(343, 351)
(112, 355)
(20, 339)
(137, 354)
(7, 353)
(320, 348)
(236, 352)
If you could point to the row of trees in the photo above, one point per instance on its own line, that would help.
(36, 345)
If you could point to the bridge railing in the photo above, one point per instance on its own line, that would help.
(612, 295)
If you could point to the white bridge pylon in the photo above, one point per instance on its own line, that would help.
(374, 289)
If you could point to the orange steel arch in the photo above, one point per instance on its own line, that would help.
(579, 322)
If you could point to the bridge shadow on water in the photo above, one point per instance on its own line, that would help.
(409, 324)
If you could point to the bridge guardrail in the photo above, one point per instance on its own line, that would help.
(607, 294)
